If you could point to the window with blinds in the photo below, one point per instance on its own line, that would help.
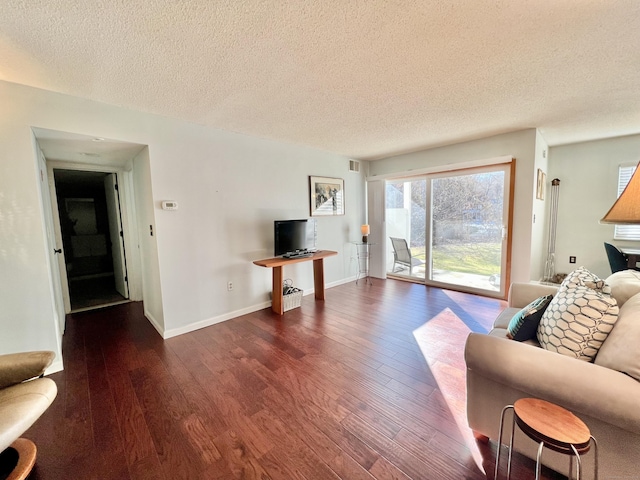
(625, 232)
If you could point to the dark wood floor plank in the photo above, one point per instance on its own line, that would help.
(240, 460)
(315, 422)
(136, 437)
(368, 384)
(177, 456)
(305, 460)
(235, 415)
(435, 457)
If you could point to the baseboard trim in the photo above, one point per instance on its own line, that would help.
(174, 332)
(153, 322)
(56, 366)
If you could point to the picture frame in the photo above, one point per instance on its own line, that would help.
(542, 178)
(326, 196)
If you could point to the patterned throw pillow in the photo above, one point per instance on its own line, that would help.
(583, 277)
(524, 324)
(577, 321)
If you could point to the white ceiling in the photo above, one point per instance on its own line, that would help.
(362, 78)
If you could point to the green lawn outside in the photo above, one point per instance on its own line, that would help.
(478, 258)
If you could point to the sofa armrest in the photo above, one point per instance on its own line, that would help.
(522, 294)
(581, 387)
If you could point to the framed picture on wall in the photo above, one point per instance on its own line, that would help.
(542, 178)
(327, 196)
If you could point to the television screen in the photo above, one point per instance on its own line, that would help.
(294, 236)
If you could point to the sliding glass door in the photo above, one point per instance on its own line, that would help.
(450, 229)
(406, 216)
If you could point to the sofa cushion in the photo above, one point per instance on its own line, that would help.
(620, 350)
(503, 319)
(624, 285)
(577, 321)
(524, 324)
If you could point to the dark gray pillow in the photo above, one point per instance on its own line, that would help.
(524, 324)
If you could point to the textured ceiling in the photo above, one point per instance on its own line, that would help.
(362, 78)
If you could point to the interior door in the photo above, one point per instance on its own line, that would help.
(55, 247)
(116, 234)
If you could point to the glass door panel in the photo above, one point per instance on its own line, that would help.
(406, 227)
(469, 216)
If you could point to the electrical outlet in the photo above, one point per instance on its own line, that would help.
(572, 259)
(230, 286)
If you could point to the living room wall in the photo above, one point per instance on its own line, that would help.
(229, 187)
(588, 174)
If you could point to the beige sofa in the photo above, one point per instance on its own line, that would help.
(500, 371)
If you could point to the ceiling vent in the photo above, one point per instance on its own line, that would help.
(354, 166)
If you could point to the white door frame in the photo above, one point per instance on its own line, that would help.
(116, 233)
(377, 205)
(128, 224)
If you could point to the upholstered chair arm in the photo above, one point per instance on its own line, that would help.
(18, 367)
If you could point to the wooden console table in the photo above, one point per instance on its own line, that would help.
(278, 262)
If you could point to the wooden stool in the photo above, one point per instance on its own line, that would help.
(17, 460)
(551, 426)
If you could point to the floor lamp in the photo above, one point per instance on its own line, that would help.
(550, 264)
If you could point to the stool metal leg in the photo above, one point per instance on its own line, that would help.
(577, 464)
(495, 475)
(513, 429)
(570, 476)
(595, 462)
(538, 462)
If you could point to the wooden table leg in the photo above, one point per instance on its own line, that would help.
(632, 260)
(277, 301)
(318, 278)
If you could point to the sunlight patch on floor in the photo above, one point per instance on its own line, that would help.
(441, 340)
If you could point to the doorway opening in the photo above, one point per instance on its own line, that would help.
(92, 238)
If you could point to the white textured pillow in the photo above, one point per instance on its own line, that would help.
(583, 277)
(577, 321)
(624, 285)
(621, 351)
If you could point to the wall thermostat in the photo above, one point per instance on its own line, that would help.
(169, 205)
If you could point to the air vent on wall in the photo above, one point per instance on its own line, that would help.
(354, 166)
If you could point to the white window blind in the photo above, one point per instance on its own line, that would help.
(625, 232)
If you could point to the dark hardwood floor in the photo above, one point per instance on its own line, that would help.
(368, 384)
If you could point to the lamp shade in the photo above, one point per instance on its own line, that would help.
(364, 229)
(626, 210)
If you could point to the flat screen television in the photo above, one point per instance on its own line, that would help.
(294, 237)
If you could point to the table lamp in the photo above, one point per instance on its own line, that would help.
(626, 210)
(365, 233)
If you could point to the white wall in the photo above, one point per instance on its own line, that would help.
(27, 318)
(230, 188)
(148, 246)
(522, 146)
(588, 174)
(540, 209)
